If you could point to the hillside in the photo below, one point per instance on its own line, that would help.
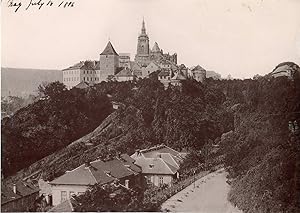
(260, 149)
(262, 152)
(150, 116)
(22, 82)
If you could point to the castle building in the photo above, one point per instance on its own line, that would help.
(144, 55)
(124, 60)
(109, 62)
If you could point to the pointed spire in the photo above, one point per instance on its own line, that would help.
(143, 27)
(155, 48)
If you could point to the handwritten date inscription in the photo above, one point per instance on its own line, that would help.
(38, 4)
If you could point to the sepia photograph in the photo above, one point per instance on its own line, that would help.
(150, 106)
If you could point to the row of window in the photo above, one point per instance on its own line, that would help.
(160, 180)
(72, 79)
(71, 72)
(71, 193)
(164, 77)
(91, 79)
(91, 71)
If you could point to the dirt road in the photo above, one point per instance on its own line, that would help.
(208, 196)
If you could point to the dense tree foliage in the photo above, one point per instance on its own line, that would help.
(184, 118)
(262, 152)
(114, 198)
(50, 124)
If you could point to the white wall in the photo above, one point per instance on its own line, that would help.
(57, 189)
(167, 179)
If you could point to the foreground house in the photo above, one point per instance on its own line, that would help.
(160, 164)
(19, 197)
(77, 181)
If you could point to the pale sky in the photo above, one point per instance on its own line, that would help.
(237, 37)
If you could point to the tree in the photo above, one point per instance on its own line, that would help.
(52, 90)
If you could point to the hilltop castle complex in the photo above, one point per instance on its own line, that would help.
(119, 67)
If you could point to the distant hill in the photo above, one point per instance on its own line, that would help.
(22, 82)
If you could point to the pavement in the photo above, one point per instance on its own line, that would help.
(208, 196)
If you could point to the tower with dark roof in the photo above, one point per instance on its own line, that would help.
(109, 62)
(142, 56)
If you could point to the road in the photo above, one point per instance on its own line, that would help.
(208, 196)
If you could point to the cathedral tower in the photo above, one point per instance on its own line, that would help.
(142, 56)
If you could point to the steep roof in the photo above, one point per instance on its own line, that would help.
(84, 65)
(179, 76)
(198, 67)
(99, 172)
(109, 50)
(82, 85)
(155, 47)
(23, 189)
(126, 72)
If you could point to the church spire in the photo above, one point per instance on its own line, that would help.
(143, 27)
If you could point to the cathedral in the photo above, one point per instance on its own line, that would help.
(114, 66)
(144, 55)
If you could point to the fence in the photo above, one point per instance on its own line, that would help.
(161, 195)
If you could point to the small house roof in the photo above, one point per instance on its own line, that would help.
(23, 189)
(126, 72)
(99, 172)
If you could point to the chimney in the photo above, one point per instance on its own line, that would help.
(15, 188)
(138, 152)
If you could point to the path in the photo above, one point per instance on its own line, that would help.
(208, 196)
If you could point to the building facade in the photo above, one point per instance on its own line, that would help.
(160, 164)
(77, 181)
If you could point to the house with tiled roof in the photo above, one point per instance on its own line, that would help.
(160, 164)
(77, 181)
(18, 197)
(152, 67)
(125, 74)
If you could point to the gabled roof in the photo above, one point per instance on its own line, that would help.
(99, 172)
(179, 76)
(82, 85)
(23, 189)
(84, 65)
(155, 166)
(135, 66)
(109, 50)
(155, 48)
(198, 67)
(153, 63)
(126, 72)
